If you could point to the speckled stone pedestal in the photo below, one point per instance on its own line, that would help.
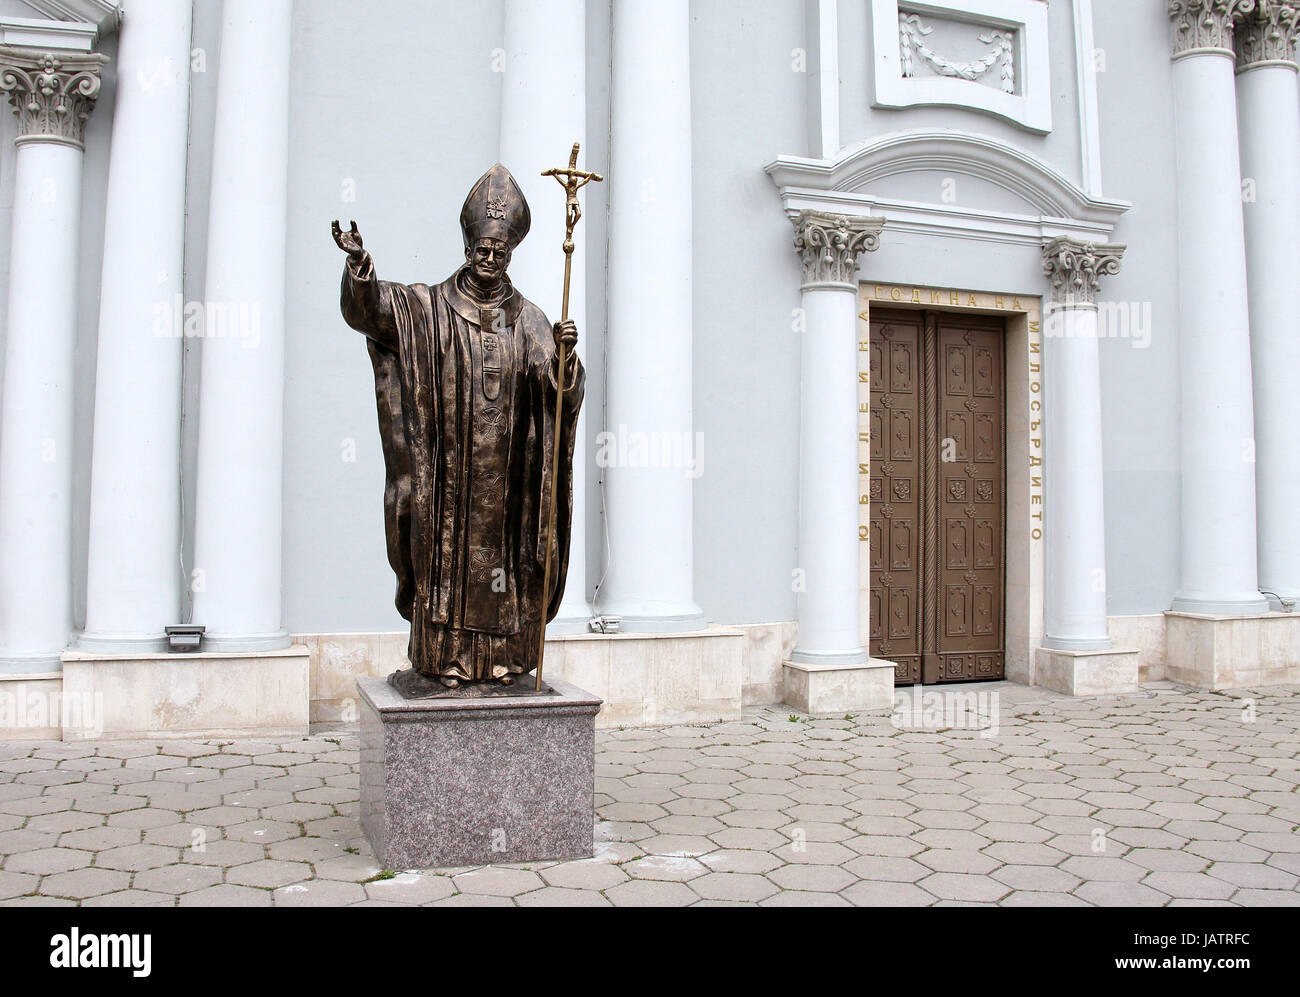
(469, 781)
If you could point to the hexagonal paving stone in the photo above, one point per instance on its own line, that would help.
(268, 873)
(739, 886)
(44, 861)
(1120, 894)
(1254, 875)
(319, 893)
(136, 858)
(83, 883)
(411, 888)
(740, 860)
(498, 882)
(812, 878)
(1036, 878)
(14, 884)
(130, 898)
(866, 894)
(642, 893)
(586, 874)
(964, 886)
(227, 896)
(554, 896)
(958, 860)
(176, 879)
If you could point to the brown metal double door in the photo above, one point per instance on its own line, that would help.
(937, 484)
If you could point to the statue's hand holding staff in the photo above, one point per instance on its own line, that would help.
(566, 333)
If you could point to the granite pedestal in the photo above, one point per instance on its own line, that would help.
(469, 779)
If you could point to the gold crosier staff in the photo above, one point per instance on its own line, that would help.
(572, 180)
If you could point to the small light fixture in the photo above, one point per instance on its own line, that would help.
(184, 637)
(1288, 605)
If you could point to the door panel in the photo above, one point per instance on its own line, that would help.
(970, 399)
(895, 491)
(937, 522)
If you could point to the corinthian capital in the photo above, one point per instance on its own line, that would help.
(1205, 25)
(1268, 35)
(51, 94)
(830, 244)
(1075, 269)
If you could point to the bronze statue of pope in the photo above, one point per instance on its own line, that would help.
(466, 377)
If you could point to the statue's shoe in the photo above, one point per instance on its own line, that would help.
(412, 685)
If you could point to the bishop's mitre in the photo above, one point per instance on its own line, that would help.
(495, 208)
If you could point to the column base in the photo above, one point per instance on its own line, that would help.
(1101, 672)
(1078, 643)
(119, 643)
(1246, 605)
(857, 656)
(567, 624)
(1232, 651)
(457, 781)
(45, 663)
(245, 643)
(829, 688)
(208, 694)
(687, 621)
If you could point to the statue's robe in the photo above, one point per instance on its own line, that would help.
(466, 394)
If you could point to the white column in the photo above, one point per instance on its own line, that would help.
(649, 579)
(1268, 110)
(1218, 470)
(241, 415)
(52, 92)
(1075, 611)
(133, 585)
(829, 619)
(543, 112)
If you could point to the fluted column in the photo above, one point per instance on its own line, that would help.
(241, 415)
(1075, 611)
(1268, 112)
(651, 443)
(133, 585)
(829, 619)
(1218, 470)
(544, 111)
(52, 91)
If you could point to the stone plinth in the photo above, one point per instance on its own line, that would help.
(209, 694)
(1232, 651)
(1111, 671)
(824, 689)
(459, 781)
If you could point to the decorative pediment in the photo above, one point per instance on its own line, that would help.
(104, 14)
(1024, 199)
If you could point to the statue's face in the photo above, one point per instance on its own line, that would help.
(488, 258)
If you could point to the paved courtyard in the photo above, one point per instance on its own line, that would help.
(1169, 797)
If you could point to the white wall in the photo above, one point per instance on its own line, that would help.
(1140, 390)
(400, 98)
(748, 105)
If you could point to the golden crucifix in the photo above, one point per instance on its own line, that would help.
(572, 180)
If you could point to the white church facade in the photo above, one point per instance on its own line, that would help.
(926, 341)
